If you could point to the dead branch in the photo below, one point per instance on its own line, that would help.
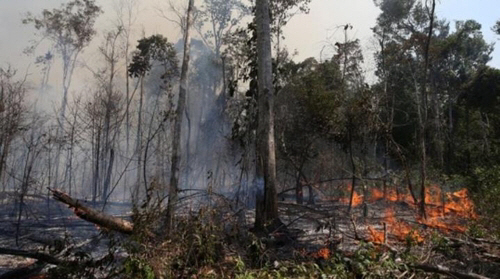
(446, 271)
(46, 258)
(92, 215)
(483, 240)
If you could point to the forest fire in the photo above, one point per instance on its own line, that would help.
(323, 253)
(400, 229)
(445, 212)
(356, 198)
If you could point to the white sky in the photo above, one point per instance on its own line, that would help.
(307, 34)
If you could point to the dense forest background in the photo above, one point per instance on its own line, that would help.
(199, 117)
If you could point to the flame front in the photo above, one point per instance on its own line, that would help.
(445, 212)
(399, 228)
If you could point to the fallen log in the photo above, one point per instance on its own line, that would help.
(446, 271)
(92, 215)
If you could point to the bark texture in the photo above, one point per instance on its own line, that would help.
(266, 207)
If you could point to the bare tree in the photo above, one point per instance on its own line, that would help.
(12, 110)
(126, 11)
(33, 144)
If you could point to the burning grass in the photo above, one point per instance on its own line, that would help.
(447, 212)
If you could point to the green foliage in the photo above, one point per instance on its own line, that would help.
(484, 90)
(475, 230)
(155, 48)
(71, 27)
(370, 263)
(80, 264)
(496, 27)
(485, 187)
(138, 268)
(441, 245)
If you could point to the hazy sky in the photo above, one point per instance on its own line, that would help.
(308, 34)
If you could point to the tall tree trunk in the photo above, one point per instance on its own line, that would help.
(267, 206)
(176, 140)
(423, 120)
(107, 180)
(138, 144)
(97, 147)
(69, 63)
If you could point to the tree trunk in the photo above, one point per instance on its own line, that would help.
(138, 143)
(299, 194)
(353, 167)
(107, 180)
(423, 120)
(267, 205)
(176, 140)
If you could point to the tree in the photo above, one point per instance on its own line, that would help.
(151, 51)
(459, 56)
(125, 19)
(12, 113)
(176, 139)
(480, 103)
(267, 205)
(70, 29)
(406, 29)
(496, 28)
(308, 113)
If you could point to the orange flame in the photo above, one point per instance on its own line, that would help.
(375, 236)
(400, 228)
(444, 211)
(323, 253)
(356, 198)
(460, 204)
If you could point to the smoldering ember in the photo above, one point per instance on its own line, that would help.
(249, 139)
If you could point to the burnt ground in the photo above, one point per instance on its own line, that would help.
(326, 223)
(38, 230)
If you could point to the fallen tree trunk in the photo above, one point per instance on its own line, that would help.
(446, 271)
(92, 215)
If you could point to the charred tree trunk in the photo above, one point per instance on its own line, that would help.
(267, 206)
(176, 140)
